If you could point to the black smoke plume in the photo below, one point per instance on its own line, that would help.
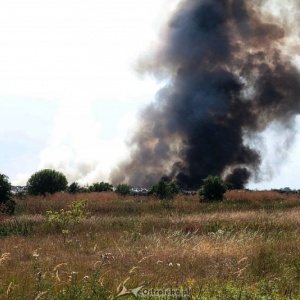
(229, 79)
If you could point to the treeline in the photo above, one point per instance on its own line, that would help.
(49, 181)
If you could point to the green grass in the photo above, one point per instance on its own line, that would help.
(16, 227)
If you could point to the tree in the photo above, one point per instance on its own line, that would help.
(46, 181)
(101, 187)
(165, 189)
(213, 189)
(123, 189)
(7, 205)
(74, 188)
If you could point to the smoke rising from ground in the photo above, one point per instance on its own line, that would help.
(230, 76)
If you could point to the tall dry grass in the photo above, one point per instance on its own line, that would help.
(244, 248)
(112, 203)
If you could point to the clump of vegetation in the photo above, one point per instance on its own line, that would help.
(74, 188)
(16, 227)
(165, 190)
(123, 189)
(101, 187)
(7, 205)
(46, 181)
(213, 189)
(67, 220)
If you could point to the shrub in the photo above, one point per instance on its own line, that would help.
(67, 220)
(46, 181)
(101, 187)
(74, 188)
(165, 189)
(123, 189)
(7, 205)
(213, 189)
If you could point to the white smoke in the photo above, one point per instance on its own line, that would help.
(77, 147)
(77, 54)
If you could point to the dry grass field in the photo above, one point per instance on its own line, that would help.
(247, 247)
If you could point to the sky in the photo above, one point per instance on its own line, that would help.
(69, 92)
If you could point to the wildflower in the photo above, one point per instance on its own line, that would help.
(35, 253)
(178, 265)
(106, 256)
(170, 264)
(73, 276)
(4, 257)
(86, 278)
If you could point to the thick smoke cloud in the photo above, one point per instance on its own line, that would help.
(229, 79)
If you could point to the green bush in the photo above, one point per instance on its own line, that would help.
(101, 187)
(67, 220)
(213, 189)
(165, 189)
(7, 205)
(46, 181)
(74, 188)
(123, 189)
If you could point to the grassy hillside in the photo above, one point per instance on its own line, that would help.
(247, 247)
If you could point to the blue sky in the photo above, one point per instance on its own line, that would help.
(69, 94)
(25, 128)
